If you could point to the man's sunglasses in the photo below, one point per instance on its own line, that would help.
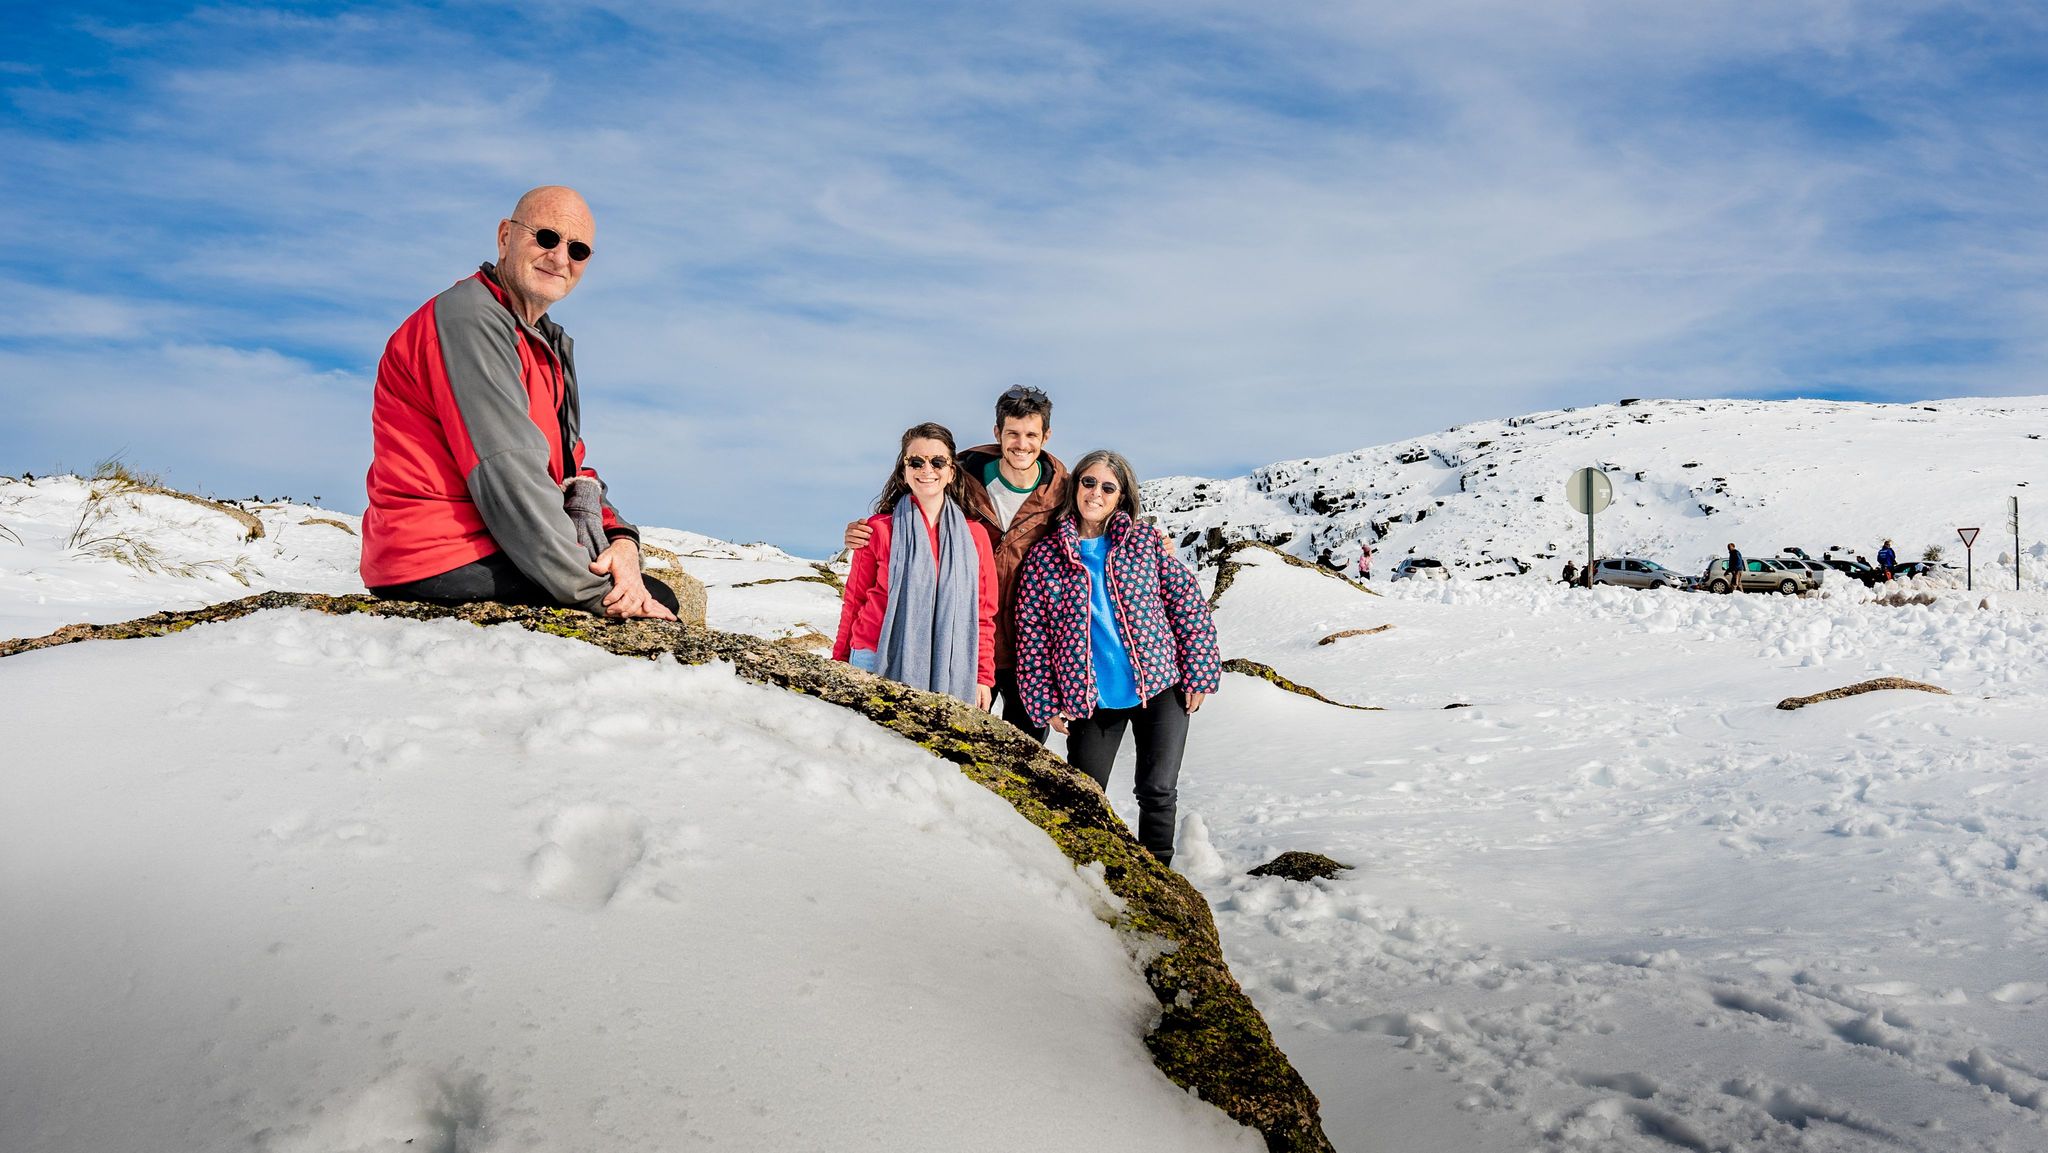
(917, 463)
(1108, 487)
(1026, 392)
(547, 238)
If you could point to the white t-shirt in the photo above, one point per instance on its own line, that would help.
(1007, 497)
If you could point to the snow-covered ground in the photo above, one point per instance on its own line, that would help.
(317, 884)
(1688, 477)
(1622, 901)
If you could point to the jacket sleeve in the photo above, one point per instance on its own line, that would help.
(1033, 650)
(1194, 629)
(510, 482)
(860, 586)
(991, 604)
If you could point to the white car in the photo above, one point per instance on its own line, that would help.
(1421, 568)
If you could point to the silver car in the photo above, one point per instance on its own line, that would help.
(1764, 575)
(1636, 573)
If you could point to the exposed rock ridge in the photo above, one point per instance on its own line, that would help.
(1268, 674)
(1871, 686)
(1209, 1037)
(1227, 567)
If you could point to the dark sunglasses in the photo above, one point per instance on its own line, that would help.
(1108, 486)
(1026, 392)
(917, 463)
(547, 238)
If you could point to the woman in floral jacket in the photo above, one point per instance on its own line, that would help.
(1112, 632)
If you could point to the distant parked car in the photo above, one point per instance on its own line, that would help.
(1421, 568)
(1855, 570)
(1907, 570)
(1636, 573)
(1762, 576)
(1817, 568)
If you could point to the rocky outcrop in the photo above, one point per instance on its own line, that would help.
(1333, 638)
(1227, 567)
(1300, 866)
(252, 527)
(1881, 683)
(1268, 674)
(1209, 1037)
(692, 601)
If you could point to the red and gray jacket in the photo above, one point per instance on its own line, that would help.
(474, 429)
(1160, 614)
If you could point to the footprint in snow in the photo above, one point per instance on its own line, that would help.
(2021, 993)
(243, 693)
(411, 1110)
(589, 852)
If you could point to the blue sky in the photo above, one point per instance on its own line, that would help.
(1218, 234)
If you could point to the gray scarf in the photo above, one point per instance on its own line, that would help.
(932, 627)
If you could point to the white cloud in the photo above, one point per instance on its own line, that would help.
(1219, 234)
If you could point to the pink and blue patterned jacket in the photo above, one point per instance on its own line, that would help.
(1160, 614)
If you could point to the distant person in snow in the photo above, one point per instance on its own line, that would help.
(1114, 633)
(477, 488)
(1887, 559)
(920, 603)
(1571, 573)
(1735, 568)
(1364, 561)
(1014, 487)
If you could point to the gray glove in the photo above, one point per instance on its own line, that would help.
(583, 500)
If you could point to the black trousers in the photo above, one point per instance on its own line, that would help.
(1162, 726)
(1013, 705)
(494, 578)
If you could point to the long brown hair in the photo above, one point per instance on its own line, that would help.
(897, 487)
(1126, 481)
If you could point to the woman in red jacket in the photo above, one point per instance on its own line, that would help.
(920, 607)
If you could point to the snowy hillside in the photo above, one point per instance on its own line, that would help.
(303, 883)
(1689, 476)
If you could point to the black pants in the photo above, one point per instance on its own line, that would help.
(1162, 725)
(1013, 705)
(494, 578)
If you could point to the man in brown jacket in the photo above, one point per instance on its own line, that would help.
(1019, 488)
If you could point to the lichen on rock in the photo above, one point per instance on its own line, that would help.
(1272, 677)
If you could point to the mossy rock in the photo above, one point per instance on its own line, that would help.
(1271, 676)
(1300, 866)
(1209, 1037)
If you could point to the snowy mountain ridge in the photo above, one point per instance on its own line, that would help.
(1488, 498)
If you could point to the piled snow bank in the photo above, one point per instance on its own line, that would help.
(67, 558)
(306, 883)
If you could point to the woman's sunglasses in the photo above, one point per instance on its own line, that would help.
(918, 463)
(1108, 486)
(547, 238)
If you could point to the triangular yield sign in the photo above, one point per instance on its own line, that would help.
(1969, 536)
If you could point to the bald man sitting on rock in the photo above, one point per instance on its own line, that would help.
(477, 485)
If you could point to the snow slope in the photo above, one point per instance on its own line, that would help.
(1618, 904)
(299, 883)
(1689, 476)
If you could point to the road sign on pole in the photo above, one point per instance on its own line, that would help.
(1589, 490)
(1969, 536)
